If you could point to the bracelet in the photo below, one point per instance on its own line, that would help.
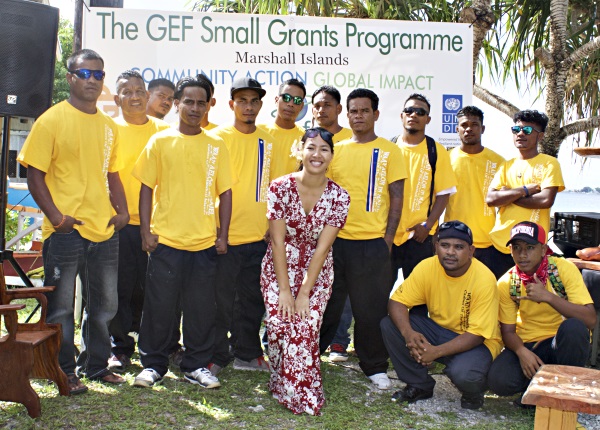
(56, 227)
(526, 191)
(424, 224)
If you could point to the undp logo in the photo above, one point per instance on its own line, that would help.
(450, 106)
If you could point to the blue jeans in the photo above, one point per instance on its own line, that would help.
(66, 256)
(342, 336)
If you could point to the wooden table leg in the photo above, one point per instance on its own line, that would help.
(554, 419)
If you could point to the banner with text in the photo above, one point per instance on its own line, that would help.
(392, 58)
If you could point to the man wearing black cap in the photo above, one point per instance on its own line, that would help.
(554, 307)
(238, 271)
(461, 330)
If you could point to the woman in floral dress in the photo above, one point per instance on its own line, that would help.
(305, 210)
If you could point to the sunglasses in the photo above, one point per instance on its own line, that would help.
(456, 225)
(87, 73)
(288, 97)
(311, 133)
(527, 129)
(419, 111)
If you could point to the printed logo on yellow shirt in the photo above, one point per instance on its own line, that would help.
(109, 138)
(211, 167)
(263, 171)
(488, 175)
(421, 186)
(377, 179)
(465, 311)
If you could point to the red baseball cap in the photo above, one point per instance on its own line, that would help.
(528, 232)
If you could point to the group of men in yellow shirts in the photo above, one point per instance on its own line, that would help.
(204, 258)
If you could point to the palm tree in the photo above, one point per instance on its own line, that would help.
(552, 45)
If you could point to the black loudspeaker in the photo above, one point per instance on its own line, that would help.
(28, 35)
(576, 230)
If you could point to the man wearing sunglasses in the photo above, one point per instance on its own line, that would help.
(71, 156)
(545, 314)
(238, 293)
(431, 185)
(286, 132)
(135, 128)
(475, 167)
(523, 188)
(370, 168)
(326, 108)
(461, 330)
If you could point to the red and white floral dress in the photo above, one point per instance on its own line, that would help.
(294, 345)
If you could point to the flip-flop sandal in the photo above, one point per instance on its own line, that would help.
(75, 385)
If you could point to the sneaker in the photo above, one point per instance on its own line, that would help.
(176, 357)
(118, 363)
(147, 378)
(202, 377)
(471, 401)
(518, 403)
(256, 364)
(214, 368)
(381, 381)
(337, 353)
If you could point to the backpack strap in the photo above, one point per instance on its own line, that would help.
(555, 280)
(432, 156)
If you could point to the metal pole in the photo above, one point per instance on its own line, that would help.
(77, 25)
(3, 179)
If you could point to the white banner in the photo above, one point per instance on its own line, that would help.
(392, 58)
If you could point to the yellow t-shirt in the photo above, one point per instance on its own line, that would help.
(464, 304)
(250, 156)
(343, 134)
(133, 138)
(417, 187)
(539, 321)
(210, 126)
(76, 150)
(541, 169)
(474, 174)
(365, 170)
(284, 158)
(187, 174)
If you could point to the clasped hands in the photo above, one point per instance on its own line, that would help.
(420, 349)
(288, 308)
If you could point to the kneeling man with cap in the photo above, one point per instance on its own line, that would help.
(461, 330)
(554, 307)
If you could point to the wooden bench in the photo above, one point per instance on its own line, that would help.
(29, 350)
(560, 392)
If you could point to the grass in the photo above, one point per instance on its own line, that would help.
(243, 401)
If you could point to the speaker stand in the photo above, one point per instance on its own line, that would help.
(7, 254)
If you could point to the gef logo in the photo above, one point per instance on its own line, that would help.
(11, 99)
(450, 106)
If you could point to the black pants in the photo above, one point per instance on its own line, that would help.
(408, 255)
(238, 273)
(488, 257)
(171, 273)
(133, 262)
(362, 271)
(500, 262)
(570, 346)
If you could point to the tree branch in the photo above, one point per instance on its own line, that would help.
(581, 125)
(583, 52)
(494, 100)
